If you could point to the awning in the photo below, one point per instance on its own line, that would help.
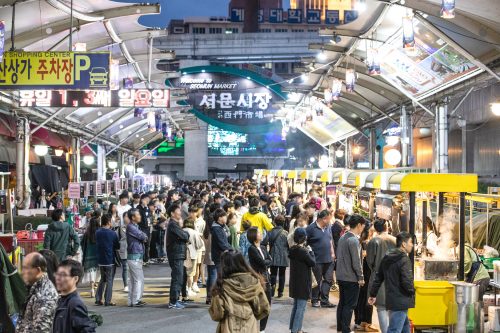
(280, 173)
(303, 174)
(352, 179)
(372, 181)
(337, 177)
(424, 182)
(291, 174)
(324, 176)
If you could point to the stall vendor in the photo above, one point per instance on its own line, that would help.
(432, 239)
(475, 271)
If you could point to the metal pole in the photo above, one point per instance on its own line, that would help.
(464, 147)
(13, 30)
(63, 39)
(42, 124)
(150, 58)
(424, 225)
(71, 28)
(440, 209)
(461, 234)
(471, 233)
(373, 145)
(487, 222)
(151, 151)
(412, 225)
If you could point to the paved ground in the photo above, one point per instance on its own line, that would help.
(155, 317)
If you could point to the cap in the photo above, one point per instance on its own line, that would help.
(300, 232)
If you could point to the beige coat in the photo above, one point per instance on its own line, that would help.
(240, 304)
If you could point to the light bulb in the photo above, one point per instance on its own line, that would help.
(88, 159)
(41, 150)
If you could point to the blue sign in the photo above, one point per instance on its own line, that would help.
(332, 17)
(237, 15)
(350, 15)
(276, 15)
(295, 16)
(314, 16)
(261, 16)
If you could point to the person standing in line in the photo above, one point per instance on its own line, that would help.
(256, 217)
(239, 299)
(123, 207)
(194, 245)
(244, 244)
(349, 272)
(135, 252)
(260, 260)
(146, 224)
(107, 244)
(71, 313)
(220, 237)
(300, 222)
(278, 245)
(397, 272)
(319, 238)
(136, 200)
(89, 255)
(122, 239)
(40, 305)
(176, 253)
(199, 226)
(115, 217)
(60, 237)
(301, 263)
(338, 227)
(375, 252)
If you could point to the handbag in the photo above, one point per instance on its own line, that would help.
(26, 233)
(476, 265)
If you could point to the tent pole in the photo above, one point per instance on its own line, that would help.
(461, 234)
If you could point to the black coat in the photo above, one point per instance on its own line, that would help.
(72, 316)
(146, 219)
(259, 264)
(397, 273)
(176, 241)
(220, 242)
(301, 263)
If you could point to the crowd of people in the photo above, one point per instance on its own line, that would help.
(236, 240)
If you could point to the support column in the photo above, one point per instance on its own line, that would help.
(23, 190)
(101, 163)
(196, 153)
(464, 146)
(349, 161)
(441, 139)
(373, 148)
(74, 158)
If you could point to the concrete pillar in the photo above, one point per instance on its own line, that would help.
(441, 139)
(23, 190)
(196, 154)
(74, 158)
(101, 163)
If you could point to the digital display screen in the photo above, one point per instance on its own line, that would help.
(426, 68)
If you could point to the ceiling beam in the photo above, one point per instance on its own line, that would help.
(327, 47)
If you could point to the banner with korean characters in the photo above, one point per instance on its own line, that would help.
(55, 70)
(98, 188)
(74, 191)
(123, 98)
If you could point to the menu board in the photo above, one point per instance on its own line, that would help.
(426, 68)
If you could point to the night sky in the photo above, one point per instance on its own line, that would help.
(178, 9)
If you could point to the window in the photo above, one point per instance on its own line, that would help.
(281, 30)
(312, 30)
(297, 30)
(281, 67)
(198, 30)
(215, 30)
(265, 30)
(231, 30)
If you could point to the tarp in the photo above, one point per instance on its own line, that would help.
(47, 177)
(479, 230)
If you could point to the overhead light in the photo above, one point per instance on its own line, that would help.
(203, 71)
(121, 126)
(304, 77)
(76, 14)
(321, 55)
(323, 162)
(392, 157)
(113, 165)
(110, 120)
(248, 77)
(59, 152)
(142, 139)
(448, 9)
(88, 159)
(312, 159)
(99, 113)
(41, 150)
(290, 81)
(356, 150)
(339, 153)
(129, 167)
(137, 135)
(140, 170)
(495, 108)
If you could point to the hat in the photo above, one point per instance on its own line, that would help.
(299, 235)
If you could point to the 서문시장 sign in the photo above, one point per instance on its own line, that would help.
(21, 70)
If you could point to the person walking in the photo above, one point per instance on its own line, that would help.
(278, 249)
(135, 252)
(60, 237)
(71, 313)
(397, 272)
(107, 245)
(238, 298)
(349, 272)
(319, 238)
(260, 260)
(40, 305)
(375, 251)
(176, 253)
(302, 261)
(89, 255)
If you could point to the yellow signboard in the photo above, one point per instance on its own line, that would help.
(55, 70)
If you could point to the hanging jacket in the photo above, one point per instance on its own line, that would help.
(240, 304)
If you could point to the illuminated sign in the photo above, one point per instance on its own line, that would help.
(241, 101)
(140, 98)
(55, 70)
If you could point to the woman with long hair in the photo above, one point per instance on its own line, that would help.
(115, 218)
(238, 298)
(89, 252)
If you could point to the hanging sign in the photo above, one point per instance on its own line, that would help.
(3, 202)
(118, 185)
(83, 190)
(2, 39)
(98, 188)
(91, 189)
(139, 98)
(74, 190)
(350, 15)
(55, 70)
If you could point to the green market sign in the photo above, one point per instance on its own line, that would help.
(229, 98)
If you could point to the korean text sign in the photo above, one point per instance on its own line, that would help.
(55, 70)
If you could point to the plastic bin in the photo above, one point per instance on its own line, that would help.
(434, 304)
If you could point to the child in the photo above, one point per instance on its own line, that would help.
(301, 262)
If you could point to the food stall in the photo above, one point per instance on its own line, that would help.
(347, 193)
(435, 299)
(291, 175)
(369, 187)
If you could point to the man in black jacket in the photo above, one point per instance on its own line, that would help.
(176, 253)
(71, 314)
(220, 236)
(397, 273)
(146, 224)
